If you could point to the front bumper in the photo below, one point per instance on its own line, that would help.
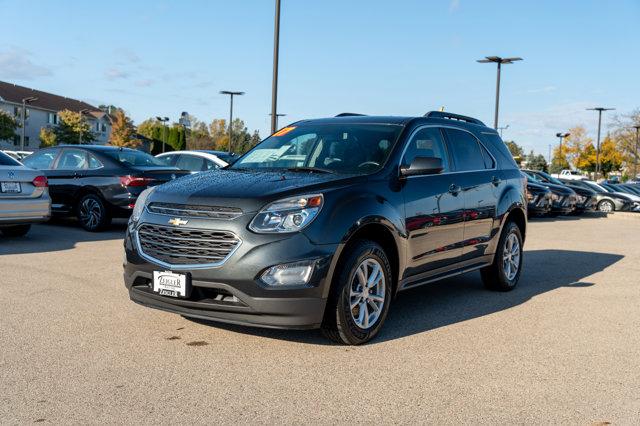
(232, 292)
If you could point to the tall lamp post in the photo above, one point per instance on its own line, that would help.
(231, 95)
(274, 83)
(635, 163)
(498, 60)
(25, 101)
(561, 136)
(278, 116)
(163, 120)
(82, 111)
(599, 109)
(502, 128)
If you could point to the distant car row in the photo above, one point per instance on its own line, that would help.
(548, 195)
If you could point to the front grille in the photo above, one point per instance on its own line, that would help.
(180, 247)
(195, 211)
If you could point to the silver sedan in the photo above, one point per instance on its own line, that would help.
(24, 197)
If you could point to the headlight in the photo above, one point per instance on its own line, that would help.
(530, 196)
(555, 197)
(140, 203)
(287, 215)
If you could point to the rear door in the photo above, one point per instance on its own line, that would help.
(433, 207)
(67, 176)
(481, 183)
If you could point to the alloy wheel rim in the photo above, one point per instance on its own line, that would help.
(511, 257)
(90, 212)
(367, 294)
(605, 207)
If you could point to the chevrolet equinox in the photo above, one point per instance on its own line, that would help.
(324, 222)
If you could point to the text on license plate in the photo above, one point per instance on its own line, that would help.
(10, 187)
(170, 284)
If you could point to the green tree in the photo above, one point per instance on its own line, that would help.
(199, 137)
(558, 161)
(537, 162)
(72, 128)
(515, 149)
(8, 126)
(47, 137)
(123, 131)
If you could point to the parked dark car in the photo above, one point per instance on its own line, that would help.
(539, 199)
(563, 198)
(97, 183)
(322, 223)
(606, 202)
(585, 197)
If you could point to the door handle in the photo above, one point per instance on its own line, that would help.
(454, 189)
(496, 181)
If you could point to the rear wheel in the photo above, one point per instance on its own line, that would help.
(504, 273)
(92, 213)
(361, 296)
(606, 206)
(15, 231)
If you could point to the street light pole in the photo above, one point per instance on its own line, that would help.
(231, 94)
(599, 109)
(82, 111)
(278, 116)
(498, 60)
(25, 101)
(562, 136)
(164, 130)
(276, 54)
(635, 163)
(502, 128)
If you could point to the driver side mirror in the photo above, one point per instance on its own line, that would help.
(422, 166)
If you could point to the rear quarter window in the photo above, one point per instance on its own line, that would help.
(5, 160)
(499, 150)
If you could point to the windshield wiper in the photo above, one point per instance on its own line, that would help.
(310, 169)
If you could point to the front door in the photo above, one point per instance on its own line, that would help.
(66, 177)
(434, 206)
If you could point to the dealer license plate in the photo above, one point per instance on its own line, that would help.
(170, 284)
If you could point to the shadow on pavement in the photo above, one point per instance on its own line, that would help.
(464, 298)
(58, 234)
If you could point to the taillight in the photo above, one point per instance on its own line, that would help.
(135, 181)
(40, 182)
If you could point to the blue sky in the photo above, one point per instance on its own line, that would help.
(370, 56)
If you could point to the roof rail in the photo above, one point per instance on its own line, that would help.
(452, 116)
(349, 114)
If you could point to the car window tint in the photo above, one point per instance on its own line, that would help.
(72, 159)
(465, 150)
(167, 160)
(94, 163)
(41, 160)
(190, 162)
(427, 142)
(489, 162)
(210, 165)
(5, 160)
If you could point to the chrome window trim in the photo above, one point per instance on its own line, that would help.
(184, 267)
(444, 126)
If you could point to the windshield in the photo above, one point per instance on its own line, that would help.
(132, 157)
(550, 178)
(596, 187)
(333, 148)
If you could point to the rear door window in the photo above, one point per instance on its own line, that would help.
(42, 160)
(465, 150)
(72, 159)
(190, 162)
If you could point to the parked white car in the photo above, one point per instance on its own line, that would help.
(569, 175)
(24, 197)
(196, 161)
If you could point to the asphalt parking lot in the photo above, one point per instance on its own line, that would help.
(562, 348)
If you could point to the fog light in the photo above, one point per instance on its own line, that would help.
(289, 274)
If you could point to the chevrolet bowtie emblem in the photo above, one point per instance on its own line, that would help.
(176, 221)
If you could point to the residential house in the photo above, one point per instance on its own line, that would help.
(43, 112)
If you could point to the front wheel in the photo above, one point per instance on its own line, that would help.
(92, 213)
(606, 206)
(361, 296)
(15, 231)
(503, 274)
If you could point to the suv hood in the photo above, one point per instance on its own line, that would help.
(247, 190)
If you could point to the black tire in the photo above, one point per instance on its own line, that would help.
(339, 324)
(15, 231)
(494, 276)
(606, 206)
(92, 213)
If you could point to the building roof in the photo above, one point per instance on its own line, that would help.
(14, 93)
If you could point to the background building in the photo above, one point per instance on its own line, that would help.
(43, 112)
